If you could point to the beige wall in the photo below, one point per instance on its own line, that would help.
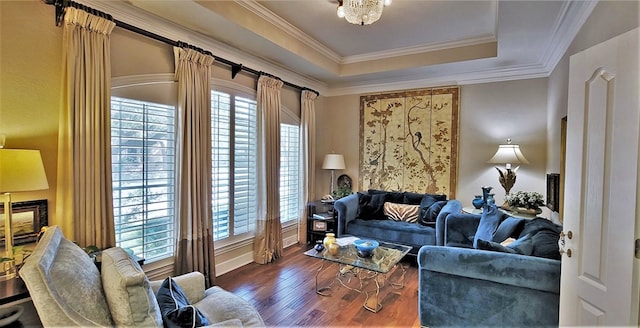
(337, 131)
(608, 19)
(30, 88)
(489, 113)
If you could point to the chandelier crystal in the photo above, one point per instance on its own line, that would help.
(361, 12)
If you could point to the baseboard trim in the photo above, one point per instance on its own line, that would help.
(246, 258)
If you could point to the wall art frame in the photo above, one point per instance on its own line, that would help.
(409, 141)
(553, 191)
(27, 219)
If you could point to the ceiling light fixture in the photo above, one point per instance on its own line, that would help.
(361, 12)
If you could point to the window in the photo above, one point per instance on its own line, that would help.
(234, 167)
(289, 172)
(143, 164)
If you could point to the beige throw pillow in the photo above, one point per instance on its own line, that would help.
(401, 212)
(131, 300)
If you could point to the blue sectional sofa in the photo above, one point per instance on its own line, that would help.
(358, 217)
(491, 285)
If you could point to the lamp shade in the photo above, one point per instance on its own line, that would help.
(21, 170)
(508, 154)
(333, 162)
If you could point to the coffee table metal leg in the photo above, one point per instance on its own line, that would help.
(400, 283)
(324, 291)
(371, 303)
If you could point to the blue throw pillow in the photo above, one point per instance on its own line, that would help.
(431, 215)
(390, 196)
(414, 198)
(175, 308)
(509, 227)
(487, 245)
(489, 222)
(545, 235)
(371, 207)
(522, 246)
(425, 203)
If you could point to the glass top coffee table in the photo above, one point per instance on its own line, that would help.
(377, 268)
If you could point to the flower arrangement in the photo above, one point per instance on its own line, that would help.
(526, 199)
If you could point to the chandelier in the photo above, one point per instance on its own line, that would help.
(361, 12)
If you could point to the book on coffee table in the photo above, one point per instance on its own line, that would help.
(344, 241)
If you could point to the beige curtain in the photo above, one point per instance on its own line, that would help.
(84, 196)
(195, 236)
(308, 153)
(268, 240)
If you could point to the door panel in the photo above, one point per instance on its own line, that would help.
(601, 192)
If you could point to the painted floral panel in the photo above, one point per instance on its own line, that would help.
(408, 141)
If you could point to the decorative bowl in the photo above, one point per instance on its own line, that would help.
(365, 247)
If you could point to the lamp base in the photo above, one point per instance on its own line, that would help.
(507, 178)
(8, 270)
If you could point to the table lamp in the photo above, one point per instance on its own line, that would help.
(333, 162)
(20, 170)
(508, 154)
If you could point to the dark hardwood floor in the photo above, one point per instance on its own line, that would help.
(284, 294)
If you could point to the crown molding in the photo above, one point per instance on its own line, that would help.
(420, 49)
(574, 14)
(132, 15)
(286, 27)
(481, 76)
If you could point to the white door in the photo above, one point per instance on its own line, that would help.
(599, 284)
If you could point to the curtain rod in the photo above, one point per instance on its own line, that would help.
(235, 67)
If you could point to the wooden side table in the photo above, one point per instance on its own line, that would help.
(320, 220)
(473, 210)
(13, 290)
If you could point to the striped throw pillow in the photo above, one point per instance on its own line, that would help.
(401, 212)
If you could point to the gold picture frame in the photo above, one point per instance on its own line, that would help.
(27, 220)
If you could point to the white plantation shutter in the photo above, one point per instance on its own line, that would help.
(234, 165)
(289, 172)
(143, 173)
(245, 164)
(221, 163)
(234, 193)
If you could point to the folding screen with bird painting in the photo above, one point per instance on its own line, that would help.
(409, 141)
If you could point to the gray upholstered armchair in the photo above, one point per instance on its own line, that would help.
(68, 290)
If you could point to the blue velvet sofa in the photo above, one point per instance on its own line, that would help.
(352, 220)
(460, 285)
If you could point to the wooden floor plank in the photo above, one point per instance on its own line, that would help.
(284, 294)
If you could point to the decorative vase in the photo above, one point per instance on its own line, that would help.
(485, 193)
(329, 239)
(334, 248)
(319, 247)
(490, 199)
(477, 201)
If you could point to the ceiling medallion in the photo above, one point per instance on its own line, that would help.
(361, 12)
